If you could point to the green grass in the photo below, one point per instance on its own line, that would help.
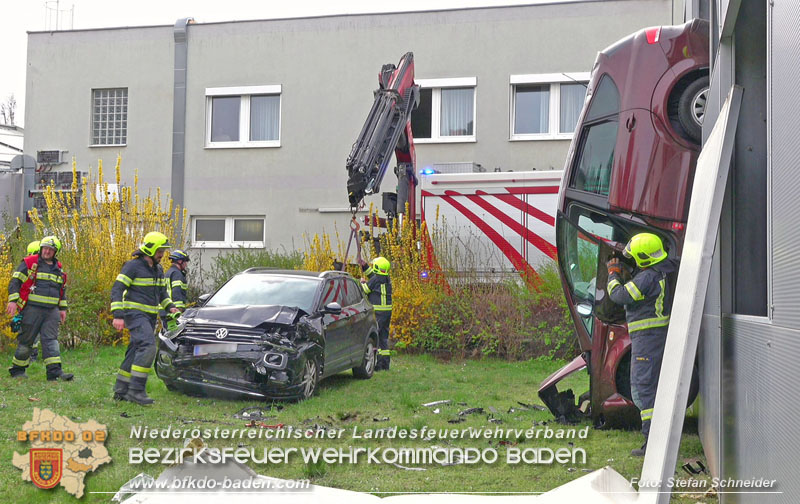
(342, 402)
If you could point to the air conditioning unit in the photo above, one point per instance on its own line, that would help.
(50, 156)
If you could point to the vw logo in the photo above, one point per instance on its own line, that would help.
(221, 333)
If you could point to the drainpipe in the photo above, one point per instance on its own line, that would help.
(179, 113)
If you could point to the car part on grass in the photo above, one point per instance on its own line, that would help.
(470, 411)
(562, 404)
(380, 419)
(457, 420)
(256, 412)
(437, 403)
(408, 468)
(691, 470)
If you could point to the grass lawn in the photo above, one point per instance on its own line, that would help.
(342, 402)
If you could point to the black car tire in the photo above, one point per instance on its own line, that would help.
(366, 369)
(309, 378)
(692, 107)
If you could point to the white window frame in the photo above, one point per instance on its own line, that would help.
(436, 86)
(243, 92)
(554, 124)
(229, 223)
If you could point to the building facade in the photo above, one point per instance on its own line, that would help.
(249, 124)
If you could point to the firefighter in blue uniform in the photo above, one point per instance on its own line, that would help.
(176, 284)
(138, 293)
(43, 311)
(378, 288)
(647, 302)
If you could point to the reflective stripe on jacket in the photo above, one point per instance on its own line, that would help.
(177, 286)
(39, 283)
(646, 297)
(379, 292)
(139, 287)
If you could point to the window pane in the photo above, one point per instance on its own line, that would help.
(572, 96)
(605, 100)
(225, 118)
(421, 117)
(264, 117)
(209, 230)
(531, 109)
(247, 230)
(458, 112)
(593, 172)
(109, 116)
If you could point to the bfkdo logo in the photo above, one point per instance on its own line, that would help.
(46, 466)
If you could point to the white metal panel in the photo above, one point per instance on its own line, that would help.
(701, 232)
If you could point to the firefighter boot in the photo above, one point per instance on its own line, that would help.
(18, 367)
(54, 372)
(639, 452)
(120, 390)
(139, 397)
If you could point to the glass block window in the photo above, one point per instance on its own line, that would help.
(110, 116)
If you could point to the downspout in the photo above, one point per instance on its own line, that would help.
(179, 115)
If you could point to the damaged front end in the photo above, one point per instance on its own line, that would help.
(252, 351)
(562, 404)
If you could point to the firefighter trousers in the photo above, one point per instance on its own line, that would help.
(647, 352)
(38, 320)
(139, 355)
(384, 318)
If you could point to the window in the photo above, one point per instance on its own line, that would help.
(546, 106)
(595, 157)
(226, 232)
(446, 111)
(109, 116)
(247, 116)
(353, 293)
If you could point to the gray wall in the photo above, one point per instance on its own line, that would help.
(328, 70)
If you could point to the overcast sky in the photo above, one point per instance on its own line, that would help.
(20, 16)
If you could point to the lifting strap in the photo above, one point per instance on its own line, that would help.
(354, 227)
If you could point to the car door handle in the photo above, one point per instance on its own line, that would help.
(630, 123)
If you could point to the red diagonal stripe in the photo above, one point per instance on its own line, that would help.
(528, 273)
(534, 239)
(521, 205)
(533, 190)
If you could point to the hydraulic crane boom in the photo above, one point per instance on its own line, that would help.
(387, 129)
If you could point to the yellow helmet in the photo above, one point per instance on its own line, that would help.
(152, 242)
(646, 249)
(52, 242)
(33, 247)
(381, 265)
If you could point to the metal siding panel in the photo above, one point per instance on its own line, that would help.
(710, 362)
(761, 405)
(784, 74)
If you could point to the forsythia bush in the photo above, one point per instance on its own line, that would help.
(98, 232)
(6, 269)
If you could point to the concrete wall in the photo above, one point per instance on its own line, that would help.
(327, 68)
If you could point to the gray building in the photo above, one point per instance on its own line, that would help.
(249, 123)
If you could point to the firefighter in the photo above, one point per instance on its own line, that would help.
(176, 283)
(33, 249)
(647, 302)
(138, 293)
(44, 306)
(379, 292)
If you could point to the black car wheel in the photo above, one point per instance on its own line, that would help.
(310, 378)
(367, 367)
(692, 108)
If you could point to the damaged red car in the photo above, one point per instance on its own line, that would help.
(629, 169)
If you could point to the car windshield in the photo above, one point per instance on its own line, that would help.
(266, 290)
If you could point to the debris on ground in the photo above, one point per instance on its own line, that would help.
(124, 414)
(532, 406)
(263, 425)
(437, 403)
(699, 468)
(495, 420)
(255, 412)
(380, 419)
(462, 404)
(470, 411)
(34, 399)
(457, 420)
(493, 409)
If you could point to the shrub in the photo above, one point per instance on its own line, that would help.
(98, 236)
(225, 265)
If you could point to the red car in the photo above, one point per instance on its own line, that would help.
(629, 169)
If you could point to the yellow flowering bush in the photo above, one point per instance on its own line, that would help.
(99, 229)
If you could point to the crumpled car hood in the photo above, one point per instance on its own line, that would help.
(246, 316)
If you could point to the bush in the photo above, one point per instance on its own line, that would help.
(224, 266)
(97, 237)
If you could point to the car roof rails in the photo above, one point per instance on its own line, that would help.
(334, 273)
(256, 269)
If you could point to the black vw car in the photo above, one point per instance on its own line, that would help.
(271, 334)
